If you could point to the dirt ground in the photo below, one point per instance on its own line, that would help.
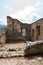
(31, 60)
(14, 45)
(22, 61)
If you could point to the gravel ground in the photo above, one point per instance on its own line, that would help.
(22, 61)
(34, 60)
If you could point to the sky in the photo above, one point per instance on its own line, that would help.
(27, 11)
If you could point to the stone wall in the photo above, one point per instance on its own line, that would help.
(2, 39)
(28, 30)
(35, 47)
(37, 34)
(34, 31)
(14, 30)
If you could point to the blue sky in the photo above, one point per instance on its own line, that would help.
(26, 11)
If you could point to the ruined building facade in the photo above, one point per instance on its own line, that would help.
(37, 30)
(21, 31)
(17, 30)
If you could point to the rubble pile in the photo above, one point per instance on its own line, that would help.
(35, 47)
(10, 53)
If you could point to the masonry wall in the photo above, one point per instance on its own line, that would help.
(14, 28)
(2, 39)
(38, 35)
(28, 30)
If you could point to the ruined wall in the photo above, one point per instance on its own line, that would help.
(2, 39)
(34, 31)
(9, 25)
(28, 30)
(17, 28)
(38, 35)
(14, 28)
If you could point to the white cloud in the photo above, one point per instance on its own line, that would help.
(25, 14)
(28, 13)
(7, 9)
(37, 4)
(3, 21)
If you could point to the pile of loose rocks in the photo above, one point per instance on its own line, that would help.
(10, 53)
(35, 47)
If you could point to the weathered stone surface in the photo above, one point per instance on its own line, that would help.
(14, 30)
(39, 59)
(4, 54)
(2, 39)
(37, 30)
(34, 48)
(34, 31)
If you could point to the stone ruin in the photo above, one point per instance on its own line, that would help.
(35, 47)
(2, 39)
